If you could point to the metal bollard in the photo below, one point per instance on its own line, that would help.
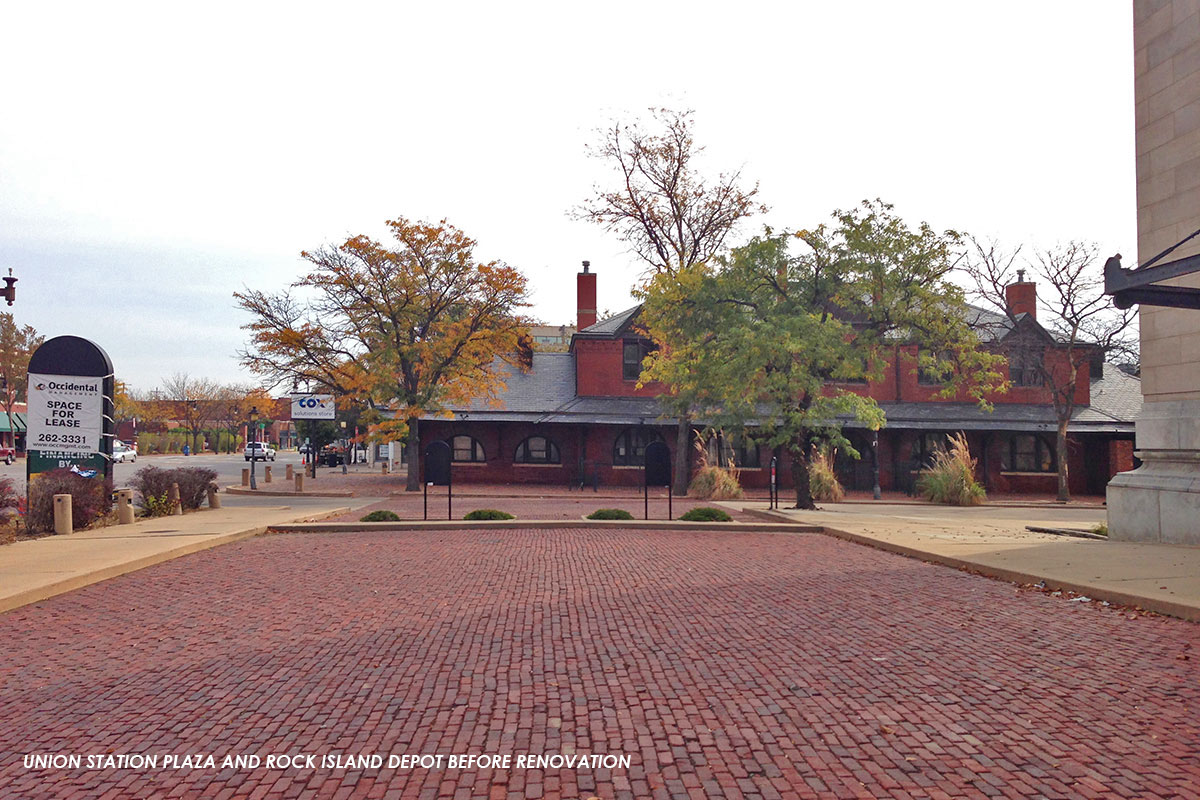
(62, 514)
(214, 500)
(299, 482)
(266, 474)
(288, 472)
(173, 499)
(124, 506)
(245, 477)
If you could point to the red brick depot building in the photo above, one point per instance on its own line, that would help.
(579, 418)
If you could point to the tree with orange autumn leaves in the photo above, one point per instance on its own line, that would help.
(412, 326)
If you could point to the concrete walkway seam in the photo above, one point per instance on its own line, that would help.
(247, 491)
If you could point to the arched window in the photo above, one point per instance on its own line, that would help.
(1027, 452)
(537, 450)
(629, 450)
(466, 448)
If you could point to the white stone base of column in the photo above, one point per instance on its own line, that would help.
(1160, 500)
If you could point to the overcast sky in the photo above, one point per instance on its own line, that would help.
(156, 157)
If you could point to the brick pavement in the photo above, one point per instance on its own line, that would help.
(724, 664)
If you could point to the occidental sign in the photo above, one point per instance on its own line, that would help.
(66, 413)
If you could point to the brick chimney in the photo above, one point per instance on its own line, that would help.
(585, 296)
(1021, 296)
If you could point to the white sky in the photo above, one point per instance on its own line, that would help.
(156, 157)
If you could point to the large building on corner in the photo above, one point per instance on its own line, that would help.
(1160, 501)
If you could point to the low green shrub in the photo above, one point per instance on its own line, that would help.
(951, 479)
(610, 513)
(706, 514)
(715, 483)
(488, 513)
(380, 515)
(822, 480)
(156, 506)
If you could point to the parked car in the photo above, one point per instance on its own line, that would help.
(8, 454)
(122, 453)
(259, 451)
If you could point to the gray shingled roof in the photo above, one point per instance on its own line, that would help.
(611, 326)
(1116, 403)
(528, 395)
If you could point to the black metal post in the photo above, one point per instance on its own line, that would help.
(670, 509)
(425, 514)
(450, 500)
(875, 463)
(253, 451)
(646, 500)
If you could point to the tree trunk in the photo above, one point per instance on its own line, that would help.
(1060, 454)
(683, 453)
(804, 498)
(413, 447)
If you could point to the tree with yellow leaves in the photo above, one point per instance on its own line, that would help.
(412, 326)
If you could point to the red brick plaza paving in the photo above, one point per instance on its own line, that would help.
(724, 664)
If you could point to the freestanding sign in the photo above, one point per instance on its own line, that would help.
(658, 473)
(312, 406)
(70, 423)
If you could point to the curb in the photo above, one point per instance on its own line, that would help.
(1158, 606)
(241, 490)
(543, 524)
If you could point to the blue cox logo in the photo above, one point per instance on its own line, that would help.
(310, 402)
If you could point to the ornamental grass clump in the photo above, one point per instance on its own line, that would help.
(822, 480)
(715, 483)
(951, 479)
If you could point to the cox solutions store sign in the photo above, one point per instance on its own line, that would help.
(70, 421)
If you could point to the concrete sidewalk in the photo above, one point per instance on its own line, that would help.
(32, 570)
(993, 541)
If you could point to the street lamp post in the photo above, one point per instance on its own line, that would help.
(253, 449)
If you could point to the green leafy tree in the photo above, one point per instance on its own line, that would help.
(764, 338)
